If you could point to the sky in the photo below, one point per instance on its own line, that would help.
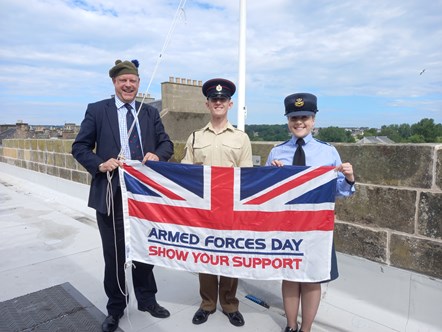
(369, 62)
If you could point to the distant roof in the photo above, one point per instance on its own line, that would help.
(158, 104)
(375, 140)
(8, 133)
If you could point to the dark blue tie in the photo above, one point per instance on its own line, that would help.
(299, 157)
(134, 139)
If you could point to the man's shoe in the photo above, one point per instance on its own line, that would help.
(155, 310)
(110, 324)
(201, 316)
(235, 318)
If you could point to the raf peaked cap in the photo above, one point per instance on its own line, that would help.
(218, 87)
(124, 67)
(300, 104)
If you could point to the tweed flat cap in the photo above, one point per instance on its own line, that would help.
(124, 67)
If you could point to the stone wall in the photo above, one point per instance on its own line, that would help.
(50, 156)
(183, 95)
(183, 107)
(395, 218)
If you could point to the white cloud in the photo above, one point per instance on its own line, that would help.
(60, 52)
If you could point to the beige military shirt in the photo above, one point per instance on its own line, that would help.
(230, 147)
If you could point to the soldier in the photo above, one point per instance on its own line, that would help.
(218, 144)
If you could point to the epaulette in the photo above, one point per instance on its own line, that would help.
(322, 142)
(243, 131)
(283, 143)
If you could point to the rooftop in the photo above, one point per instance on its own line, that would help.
(49, 237)
(375, 140)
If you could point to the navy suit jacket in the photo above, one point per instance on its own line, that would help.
(99, 140)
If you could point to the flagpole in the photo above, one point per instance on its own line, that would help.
(242, 110)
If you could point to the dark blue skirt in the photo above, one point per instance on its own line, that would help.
(334, 274)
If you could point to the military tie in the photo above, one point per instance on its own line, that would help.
(134, 139)
(299, 157)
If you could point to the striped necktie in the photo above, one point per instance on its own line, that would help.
(134, 139)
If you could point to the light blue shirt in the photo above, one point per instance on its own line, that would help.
(122, 124)
(317, 153)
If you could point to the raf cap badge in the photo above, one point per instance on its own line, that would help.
(219, 88)
(299, 102)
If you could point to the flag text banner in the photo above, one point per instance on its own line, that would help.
(258, 223)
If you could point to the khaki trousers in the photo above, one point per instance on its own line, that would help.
(225, 288)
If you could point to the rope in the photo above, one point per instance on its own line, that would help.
(111, 211)
(180, 10)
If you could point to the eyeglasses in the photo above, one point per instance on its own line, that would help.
(218, 99)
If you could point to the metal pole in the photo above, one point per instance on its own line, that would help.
(242, 110)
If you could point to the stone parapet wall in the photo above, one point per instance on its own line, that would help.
(50, 156)
(395, 218)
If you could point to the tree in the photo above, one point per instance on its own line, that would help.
(405, 131)
(423, 131)
(392, 132)
(371, 132)
(397, 133)
(334, 134)
(267, 132)
(427, 130)
(416, 139)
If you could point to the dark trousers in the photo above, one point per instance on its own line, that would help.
(143, 278)
(212, 286)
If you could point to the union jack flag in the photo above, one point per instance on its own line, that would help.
(260, 223)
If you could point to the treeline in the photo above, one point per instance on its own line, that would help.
(424, 131)
(267, 133)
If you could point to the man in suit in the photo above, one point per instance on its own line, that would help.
(99, 147)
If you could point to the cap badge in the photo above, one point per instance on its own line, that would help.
(219, 88)
(299, 102)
